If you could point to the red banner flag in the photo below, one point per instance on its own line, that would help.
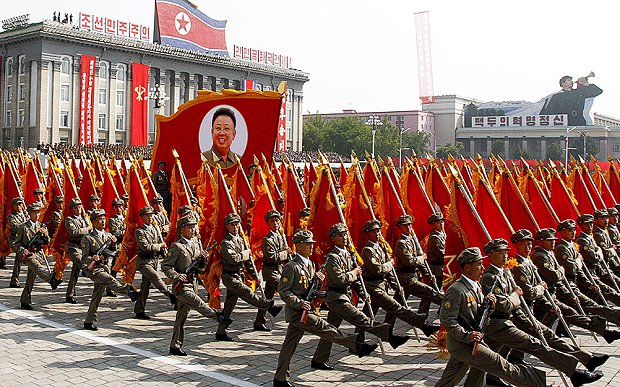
(538, 203)
(263, 202)
(513, 203)
(416, 201)
(281, 139)
(562, 199)
(294, 201)
(87, 96)
(139, 103)
(358, 209)
(57, 246)
(323, 213)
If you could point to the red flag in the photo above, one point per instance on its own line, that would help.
(537, 201)
(389, 207)
(585, 203)
(491, 213)
(594, 193)
(343, 175)
(323, 213)
(562, 199)
(358, 208)
(514, 205)
(139, 103)
(416, 201)
(310, 179)
(180, 197)
(602, 186)
(108, 192)
(57, 246)
(263, 202)
(30, 182)
(10, 190)
(294, 202)
(52, 191)
(207, 191)
(88, 186)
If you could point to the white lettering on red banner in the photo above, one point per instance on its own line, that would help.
(260, 56)
(507, 121)
(90, 22)
(281, 136)
(87, 88)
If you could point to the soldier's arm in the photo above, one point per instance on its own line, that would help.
(270, 251)
(285, 287)
(74, 230)
(505, 302)
(229, 253)
(86, 245)
(144, 245)
(449, 313)
(586, 251)
(167, 265)
(336, 272)
(370, 263)
(436, 249)
(543, 264)
(17, 242)
(530, 291)
(403, 254)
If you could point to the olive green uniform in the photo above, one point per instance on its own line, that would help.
(275, 254)
(603, 240)
(34, 260)
(296, 277)
(176, 262)
(77, 227)
(460, 314)
(16, 220)
(236, 255)
(593, 257)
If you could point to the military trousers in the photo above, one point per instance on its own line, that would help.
(76, 269)
(271, 287)
(381, 299)
(17, 267)
(102, 279)
(235, 289)
(427, 293)
(148, 269)
(592, 323)
(36, 268)
(187, 300)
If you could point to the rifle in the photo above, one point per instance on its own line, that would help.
(35, 245)
(608, 271)
(196, 267)
(102, 251)
(591, 279)
(256, 274)
(484, 320)
(432, 278)
(313, 289)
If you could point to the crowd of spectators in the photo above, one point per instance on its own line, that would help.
(304, 156)
(117, 150)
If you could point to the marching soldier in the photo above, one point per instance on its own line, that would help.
(56, 216)
(77, 226)
(436, 250)
(378, 270)
(410, 262)
(533, 292)
(16, 218)
(160, 217)
(601, 236)
(39, 195)
(612, 227)
(31, 236)
(181, 255)
(502, 329)
(151, 248)
(125, 198)
(275, 254)
(94, 202)
(343, 273)
(162, 184)
(96, 260)
(460, 314)
(236, 255)
(573, 264)
(117, 227)
(296, 278)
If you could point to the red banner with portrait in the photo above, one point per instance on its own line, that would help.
(139, 103)
(87, 93)
(189, 130)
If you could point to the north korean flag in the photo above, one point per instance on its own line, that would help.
(181, 24)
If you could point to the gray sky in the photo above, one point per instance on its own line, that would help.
(362, 55)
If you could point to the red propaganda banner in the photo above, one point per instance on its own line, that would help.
(87, 89)
(139, 103)
(281, 141)
(189, 130)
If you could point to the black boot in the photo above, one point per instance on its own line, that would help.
(596, 361)
(397, 341)
(611, 335)
(581, 377)
(274, 309)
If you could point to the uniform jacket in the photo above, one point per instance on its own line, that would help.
(340, 279)
(293, 287)
(179, 258)
(91, 243)
(436, 247)
(460, 312)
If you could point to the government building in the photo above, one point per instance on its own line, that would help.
(41, 74)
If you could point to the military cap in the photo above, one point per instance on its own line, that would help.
(36, 206)
(521, 235)
(184, 210)
(187, 220)
(612, 211)
(337, 229)
(304, 212)
(59, 199)
(303, 236)
(125, 197)
(232, 218)
(469, 255)
(161, 162)
(117, 202)
(600, 214)
(496, 245)
(93, 198)
(39, 191)
(96, 213)
(371, 225)
(567, 224)
(272, 214)
(545, 234)
(17, 201)
(617, 207)
(404, 220)
(75, 202)
(157, 199)
(193, 200)
(585, 218)
(146, 211)
(436, 217)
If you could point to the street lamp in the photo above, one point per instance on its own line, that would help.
(400, 150)
(568, 130)
(374, 121)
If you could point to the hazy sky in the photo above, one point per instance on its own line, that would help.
(362, 54)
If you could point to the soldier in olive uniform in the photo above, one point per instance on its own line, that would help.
(16, 218)
(97, 266)
(151, 248)
(612, 227)
(296, 278)
(601, 236)
(117, 227)
(39, 195)
(162, 184)
(31, 235)
(56, 218)
(378, 269)
(553, 274)
(94, 203)
(343, 273)
(160, 218)
(181, 255)
(236, 255)
(411, 263)
(77, 225)
(436, 249)
(575, 269)
(502, 331)
(460, 314)
(593, 256)
(275, 254)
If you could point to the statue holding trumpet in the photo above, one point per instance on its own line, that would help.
(572, 101)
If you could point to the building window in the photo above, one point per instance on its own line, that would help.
(20, 118)
(64, 118)
(65, 66)
(102, 121)
(103, 96)
(21, 92)
(9, 67)
(7, 118)
(103, 70)
(64, 93)
(120, 97)
(120, 72)
(9, 93)
(120, 122)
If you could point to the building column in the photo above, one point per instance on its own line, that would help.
(603, 148)
(524, 144)
(507, 148)
(489, 147)
(112, 105)
(175, 99)
(191, 88)
(56, 102)
(43, 90)
(472, 149)
(543, 149)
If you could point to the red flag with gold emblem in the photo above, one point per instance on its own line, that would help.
(358, 209)
(513, 203)
(139, 103)
(57, 246)
(562, 200)
(537, 201)
(30, 182)
(294, 201)
(416, 201)
(10, 190)
(323, 213)
(263, 202)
